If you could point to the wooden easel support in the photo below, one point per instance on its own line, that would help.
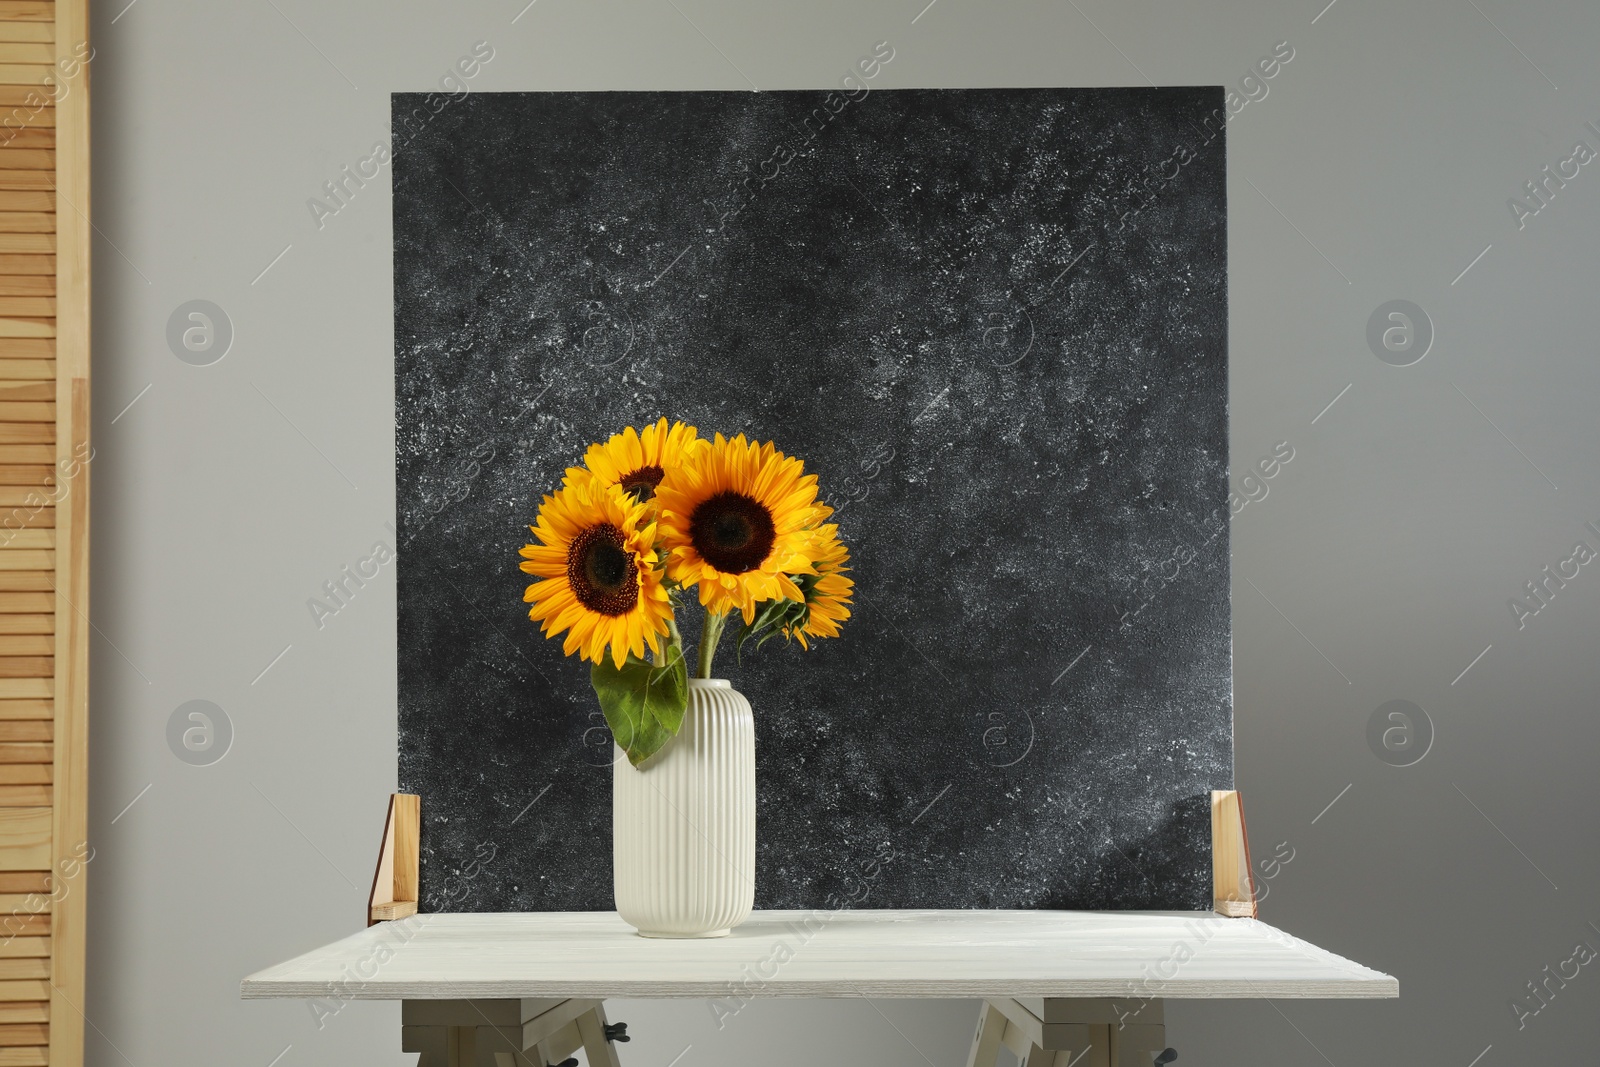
(508, 1033)
(1067, 1032)
(478, 1033)
(1071, 1032)
(394, 885)
(1234, 887)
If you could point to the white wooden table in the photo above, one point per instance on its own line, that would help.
(1055, 984)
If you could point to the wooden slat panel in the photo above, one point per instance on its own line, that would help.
(27, 560)
(25, 74)
(20, 1056)
(14, 391)
(25, 924)
(18, 134)
(26, 773)
(26, 52)
(26, 369)
(11, 710)
(24, 839)
(24, 1034)
(25, 667)
(27, 433)
(25, 752)
(25, 796)
(25, 264)
(25, 603)
(26, 687)
(25, 109)
(24, 989)
(18, 203)
(25, 327)
(27, 31)
(23, 105)
(30, 518)
(24, 455)
(36, 180)
(26, 592)
(20, 128)
(26, 106)
(26, 347)
(25, 729)
(26, 624)
(24, 882)
(25, 968)
(28, 221)
(24, 496)
(25, 411)
(39, 309)
(25, 583)
(19, 947)
(33, 902)
(16, 533)
(16, 583)
(37, 1011)
(27, 11)
(25, 284)
(29, 474)
(12, 241)
(29, 307)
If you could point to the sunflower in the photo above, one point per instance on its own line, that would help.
(827, 592)
(734, 520)
(638, 461)
(600, 578)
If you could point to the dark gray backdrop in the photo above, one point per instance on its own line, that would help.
(993, 322)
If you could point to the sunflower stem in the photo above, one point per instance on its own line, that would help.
(709, 636)
(674, 641)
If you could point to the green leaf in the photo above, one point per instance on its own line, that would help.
(643, 704)
(770, 618)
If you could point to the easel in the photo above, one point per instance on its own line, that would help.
(1040, 1031)
(1065, 1032)
(508, 1033)
(478, 1033)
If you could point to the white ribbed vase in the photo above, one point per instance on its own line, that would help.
(683, 827)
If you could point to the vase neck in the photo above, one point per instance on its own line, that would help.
(710, 683)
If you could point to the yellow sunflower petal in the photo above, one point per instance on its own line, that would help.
(601, 582)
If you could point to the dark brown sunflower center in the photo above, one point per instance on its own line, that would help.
(601, 571)
(641, 484)
(732, 532)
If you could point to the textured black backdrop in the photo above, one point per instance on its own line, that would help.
(993, 321)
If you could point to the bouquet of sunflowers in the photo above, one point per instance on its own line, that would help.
(652, 515)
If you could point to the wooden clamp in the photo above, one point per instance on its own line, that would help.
(394, 885)
(1234, 886)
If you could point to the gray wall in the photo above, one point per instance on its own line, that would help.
(1376, 568)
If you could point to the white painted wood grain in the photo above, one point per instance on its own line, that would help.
(823, 954)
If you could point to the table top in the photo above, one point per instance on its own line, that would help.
(824, 954)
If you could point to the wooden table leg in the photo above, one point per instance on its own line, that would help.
(986, 1040)
(462, 1044)
(592, 1028)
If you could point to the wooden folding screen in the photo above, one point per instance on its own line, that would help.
(45, 457)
